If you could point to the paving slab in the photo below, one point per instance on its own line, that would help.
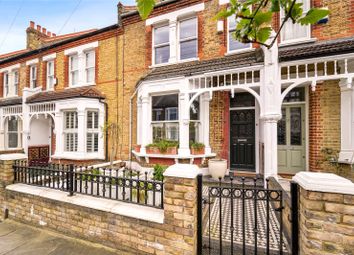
(20, 239)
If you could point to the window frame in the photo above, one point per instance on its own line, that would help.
(93, 67)
(192, 38)
(16, 81)
(17, 132)
(71, 131)
(6, 82)
(92, 131)
(154, 46)
(33, 72)
(74, 71)
(229, 31)
(50, 76)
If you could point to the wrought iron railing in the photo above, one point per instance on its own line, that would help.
(116, 184)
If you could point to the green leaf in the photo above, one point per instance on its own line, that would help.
(297, 11)
(275, 6)
(224, 14)
(262, 17)
(313, 16)
(145, 7)
(263, 34)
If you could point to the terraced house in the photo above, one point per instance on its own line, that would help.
(181, 76)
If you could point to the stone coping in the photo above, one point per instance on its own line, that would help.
(187, 171)
(324, 182)
(101, 204)
(13, 156)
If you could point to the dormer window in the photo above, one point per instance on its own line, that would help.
(33, 76)
(50, 75)
(188, 38)
(161, 44)
(90, 66)
(74, 69)
(232, 44)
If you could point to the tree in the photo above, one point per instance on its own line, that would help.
(112, 130)
(254, 17)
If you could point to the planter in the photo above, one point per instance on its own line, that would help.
(197, 151)
(137, 148)
(156, 150)
(217, 168)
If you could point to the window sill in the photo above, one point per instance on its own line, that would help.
(297, 41)
(174, 63)
(78, 156)
(173, 156)
(81, 85)
(230, 53)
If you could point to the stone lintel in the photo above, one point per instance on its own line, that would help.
(324, 182)
(186, 171)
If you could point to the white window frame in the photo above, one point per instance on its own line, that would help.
(228, 31)
(72, 71)
(6, 78)
(192, 38)
(306, 7)
(92, 131)
(154, 46)
(13, 132)
(16, 81)
(50, 76)
(33, 76)
(93, 67)
(71, 135)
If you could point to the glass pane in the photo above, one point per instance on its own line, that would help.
(295, 95)
(236, 45)
(161, 35)
(232, 22)
(193, 131)
(194, 110)
(74, 62)
(165, 107)
(12, 125)
(95, 145)
(188, 28)
(295, 126)
(74, 77)
(157, 132)
(95, 119)
(13, 140)
(162, 54)
(189, 49)
(242, 100)
(90, 59)
(90, 75)
(282, 128)
(89, 119)
(89, 142)
(172, 131)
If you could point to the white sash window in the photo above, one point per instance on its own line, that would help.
(6, 84)
(161, 44)
(50, 75)
(70, 131)
(33, 76)
(188, 38)
(90, 66)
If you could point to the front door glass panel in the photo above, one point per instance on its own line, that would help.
(296, 126)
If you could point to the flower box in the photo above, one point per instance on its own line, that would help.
(195, 151)
(156, 150)
(137, 148)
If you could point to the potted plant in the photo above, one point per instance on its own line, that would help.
(137, 148)
(162, 147)
(217, 168)
(197, 148)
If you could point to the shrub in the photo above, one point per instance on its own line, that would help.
(158, 172)
(197, 146)
(163, 145)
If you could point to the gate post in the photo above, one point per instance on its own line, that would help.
(294, 218)
(200, 214)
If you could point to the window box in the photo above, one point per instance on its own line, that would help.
(137, 148)
(197, 148)
(157, 150)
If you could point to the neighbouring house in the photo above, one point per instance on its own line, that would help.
(180, 76)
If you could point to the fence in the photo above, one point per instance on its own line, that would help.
(116, 184)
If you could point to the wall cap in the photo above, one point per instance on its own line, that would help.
(100, 204)
(14, 156)
(324, 182)
(187, 171)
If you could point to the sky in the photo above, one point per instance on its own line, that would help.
(58, 16)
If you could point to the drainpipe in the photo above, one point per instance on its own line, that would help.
(131, 124)
(106, 133)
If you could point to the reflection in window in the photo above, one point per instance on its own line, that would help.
(188, 38)
(295, 95)
(161, 44)
(233, 44)
(12, 133)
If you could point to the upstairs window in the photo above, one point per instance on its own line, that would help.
(16, 81)
(161, 44)
(233, 44)
(70, 131)
(6, 84)
(33, 76)
(188, 38)
(74, 69)
(50, 75)
(295, 32)
(90, 66)
(92, 131)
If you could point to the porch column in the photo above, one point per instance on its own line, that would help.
(270, 92)
(205, 117)
(144, 124)
(184, 125)
(347, 121)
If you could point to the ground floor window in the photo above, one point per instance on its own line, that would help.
(92, 131)
(13, 133)
(70, 131)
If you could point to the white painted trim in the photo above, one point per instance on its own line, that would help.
(175, 15)
(49, 57)
(14, 156)
(186, 171)
(297, 41)
(324, 182)
(105, 205)
(32, 62)
(81, 48)
(10, 68)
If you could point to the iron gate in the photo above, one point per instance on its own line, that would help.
(240, 217)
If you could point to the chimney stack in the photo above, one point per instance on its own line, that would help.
(39, 28)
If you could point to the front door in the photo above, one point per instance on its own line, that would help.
(291, 140)
(242, 139)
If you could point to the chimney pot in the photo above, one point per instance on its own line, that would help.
(54, 35)
(39, 28)
(49, 33)
(31, 24)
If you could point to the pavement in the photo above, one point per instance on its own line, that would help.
(20, 239)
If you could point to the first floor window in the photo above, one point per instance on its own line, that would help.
(12, 133)
(16, 82)
(90, 66)
(74, 69)
(233, 44)
(188, 38)
(50, 74)
(70, 131)
(6, 84)
(92, 131)
(33, 76)
(162, 44)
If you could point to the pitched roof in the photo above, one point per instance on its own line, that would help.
(200, 67)
(11, 101)
(12, 54)
(86, 92)
(59, 38)
(317, 49)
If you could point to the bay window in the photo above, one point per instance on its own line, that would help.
(50, 75)
(188, 38)
(6, 83)
(92, 131)
(13, 133)
(233, 45)
(90, 66)
(33, 76)
(165, 117)
(70, 131)
(161, 44)
(74, 69)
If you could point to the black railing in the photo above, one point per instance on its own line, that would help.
(116, 184)
(240, 219)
